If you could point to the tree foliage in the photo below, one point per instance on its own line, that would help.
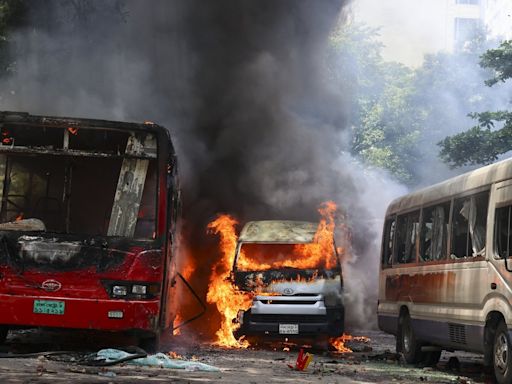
(492, 136)
(399, 114)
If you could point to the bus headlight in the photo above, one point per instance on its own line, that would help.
(119, 290)
(139, 289)
(129, 290)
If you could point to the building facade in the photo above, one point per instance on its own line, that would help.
(409, 29)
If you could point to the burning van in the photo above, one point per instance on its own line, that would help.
(293, 271)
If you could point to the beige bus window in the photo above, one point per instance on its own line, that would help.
(468, 226)
(406, 236)
(434, 232)
(502, 238)
(387, 246)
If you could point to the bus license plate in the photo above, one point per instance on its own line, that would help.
(289, 329)
(49, 307)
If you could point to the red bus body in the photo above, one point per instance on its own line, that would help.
(89, 211)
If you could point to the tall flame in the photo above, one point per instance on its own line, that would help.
(319, 253)
(229, 300)
(221, 290)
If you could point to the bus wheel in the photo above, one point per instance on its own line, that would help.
(502, 354)
(409, 346)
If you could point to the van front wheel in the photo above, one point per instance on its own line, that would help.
(409, 346)
(502, 354)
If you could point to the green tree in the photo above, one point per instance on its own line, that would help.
(492, 136)
(384, 128)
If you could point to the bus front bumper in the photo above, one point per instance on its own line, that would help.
(96, 314)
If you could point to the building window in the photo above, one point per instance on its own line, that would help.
(465, 30)
(472, 2)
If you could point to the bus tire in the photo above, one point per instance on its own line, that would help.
(409, 346)
(502, 354)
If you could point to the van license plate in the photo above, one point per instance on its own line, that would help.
(49, 307)
(289, 329)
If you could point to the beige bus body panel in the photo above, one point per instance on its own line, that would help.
(457, 291)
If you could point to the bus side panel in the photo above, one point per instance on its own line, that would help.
(388, 308)
(445, 302)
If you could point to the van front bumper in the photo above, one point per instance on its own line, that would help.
(267, 325)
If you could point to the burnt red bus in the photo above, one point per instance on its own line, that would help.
(88, 216)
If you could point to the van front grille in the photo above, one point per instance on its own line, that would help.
(273, 318)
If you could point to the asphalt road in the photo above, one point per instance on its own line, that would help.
(371, 362)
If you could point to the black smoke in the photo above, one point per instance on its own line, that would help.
(241, 84)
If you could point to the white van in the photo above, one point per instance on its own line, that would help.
(291, 298)
(446, 274)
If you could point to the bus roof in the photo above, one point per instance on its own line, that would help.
(473, 180)
(24, 117)
(278, 231)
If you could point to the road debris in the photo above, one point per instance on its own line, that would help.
(158, 360)
(303, 360)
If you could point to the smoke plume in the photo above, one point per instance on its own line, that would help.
(260, 131)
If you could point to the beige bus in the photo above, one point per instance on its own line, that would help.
(446, 269)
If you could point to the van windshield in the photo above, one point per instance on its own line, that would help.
(267, 256)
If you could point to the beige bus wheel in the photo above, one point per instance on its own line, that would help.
(409, 346)
(502, 355)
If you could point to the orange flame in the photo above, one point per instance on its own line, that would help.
(73, 131)
(177, 321)
(19, 217)
(339, 342)
(229, 300)
(317, 254)
(221, 291)
(174, 355)
(186, 272)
